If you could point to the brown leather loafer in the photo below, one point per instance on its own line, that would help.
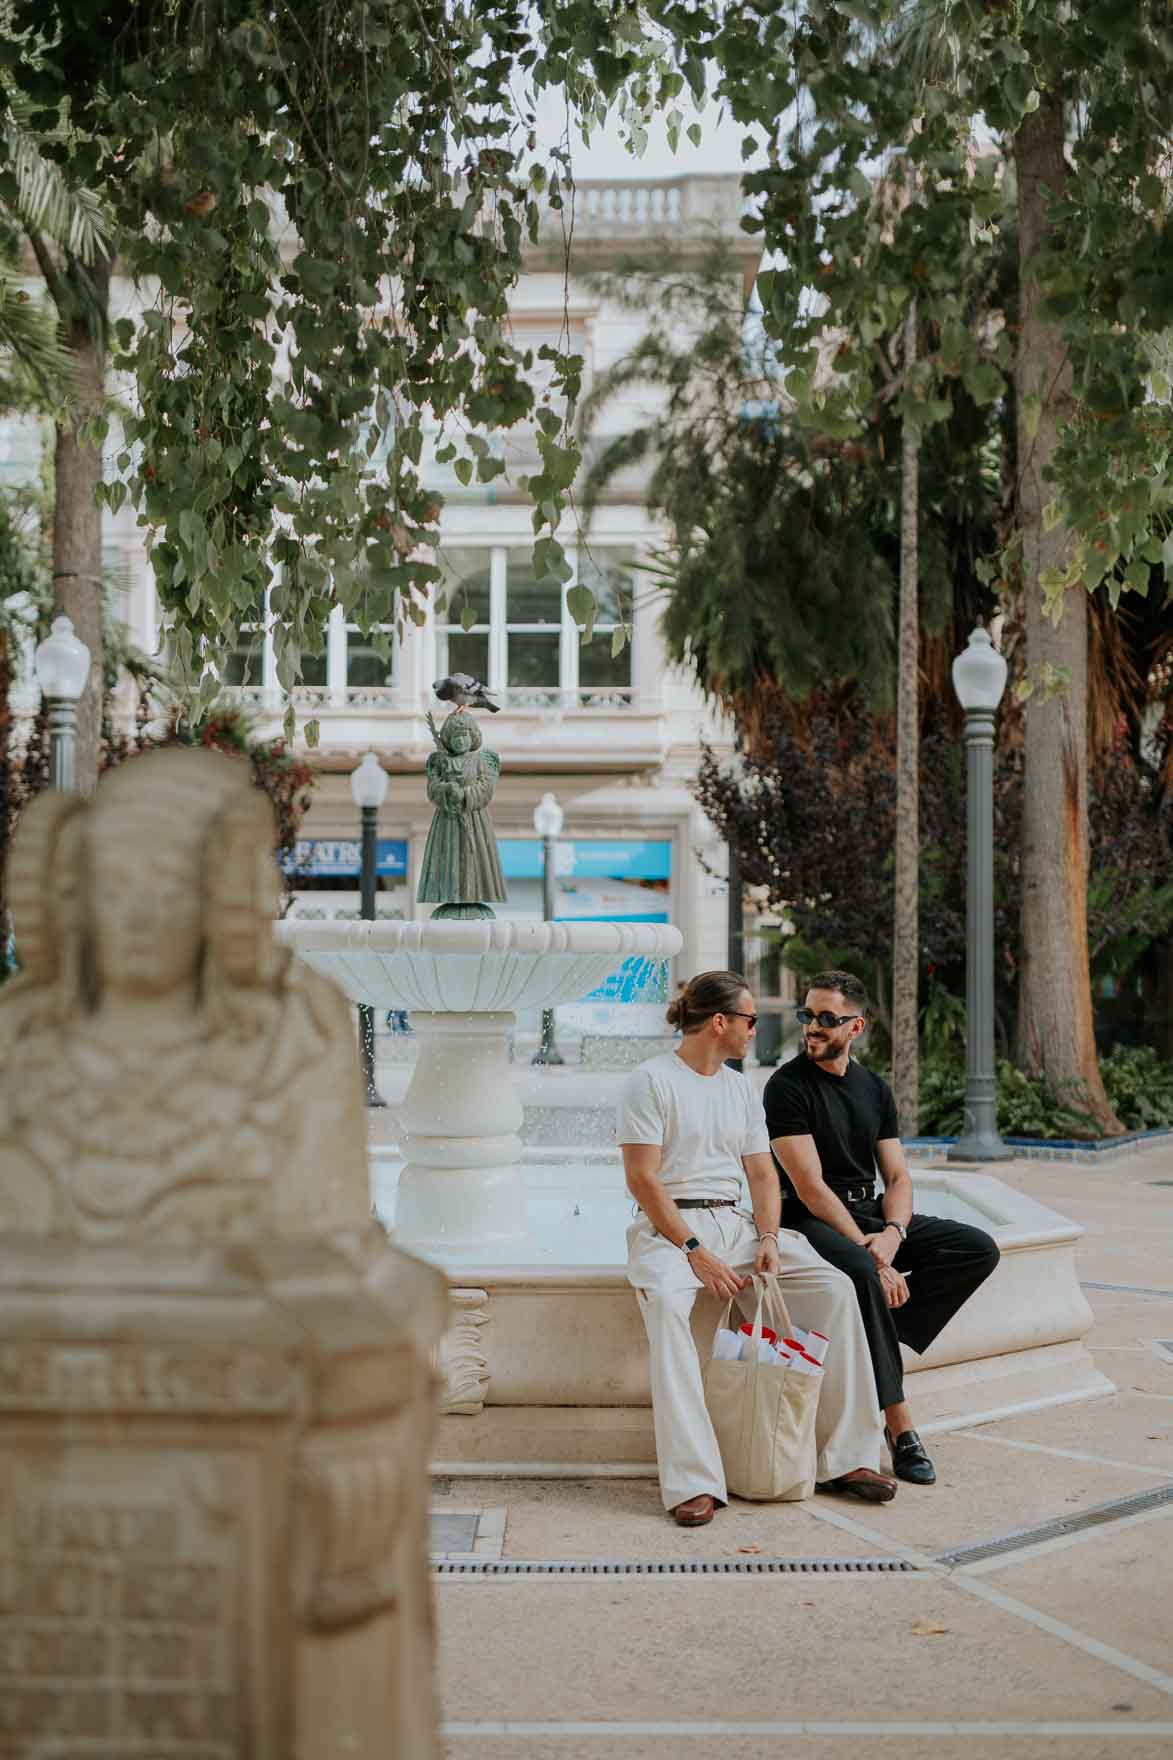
(696, 1512)
(862, 1482)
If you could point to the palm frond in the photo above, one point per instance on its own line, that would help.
(28, 335)
(73, 218)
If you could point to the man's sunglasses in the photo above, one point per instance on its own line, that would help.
(806, 1016)
(742, 1016)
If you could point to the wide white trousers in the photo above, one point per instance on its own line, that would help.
(848, 1427)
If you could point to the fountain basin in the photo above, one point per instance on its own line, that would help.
(460, 1188)
(485, 967)
(546, 1362)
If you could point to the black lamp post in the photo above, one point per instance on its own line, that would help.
(979, 678)
(548, 825)
(368, 787)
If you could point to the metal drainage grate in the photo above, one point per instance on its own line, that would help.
(1099, 1517)
(682, 1567)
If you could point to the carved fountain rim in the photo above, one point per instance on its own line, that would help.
(651, 940)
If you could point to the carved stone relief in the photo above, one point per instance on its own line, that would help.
(460, 1357)
(165, 1059)
(121, 1610)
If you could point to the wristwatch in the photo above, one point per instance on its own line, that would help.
(690, 1245)
(899, 1227)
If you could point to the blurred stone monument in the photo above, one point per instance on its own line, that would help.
(216, 1392)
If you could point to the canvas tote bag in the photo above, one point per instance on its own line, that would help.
(764, 1414)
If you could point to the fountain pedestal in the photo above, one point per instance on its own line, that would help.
(461, 1182)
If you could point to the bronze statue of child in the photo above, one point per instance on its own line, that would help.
(461, 869)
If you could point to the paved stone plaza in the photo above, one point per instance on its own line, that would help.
(1022, 1607)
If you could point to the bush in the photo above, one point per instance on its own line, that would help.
(1138, 1082)
(1140, 1086)
(1027, 1105)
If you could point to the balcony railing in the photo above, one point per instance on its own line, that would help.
(392, 699)
(632, 207)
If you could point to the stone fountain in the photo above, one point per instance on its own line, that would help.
(461, 1189)
(545, 1365)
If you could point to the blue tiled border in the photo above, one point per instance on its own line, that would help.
(1056, 1148)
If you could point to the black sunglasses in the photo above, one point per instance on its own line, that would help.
(805, 1016)
(742, 1016)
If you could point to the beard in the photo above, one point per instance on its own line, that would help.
(822, 1050)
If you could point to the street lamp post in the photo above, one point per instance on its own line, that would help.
(548, 825)
(368, 787)
(62, 667)
(979, 678)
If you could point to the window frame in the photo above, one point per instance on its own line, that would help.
(566, 685)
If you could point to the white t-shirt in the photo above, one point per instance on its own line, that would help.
(704, 1124)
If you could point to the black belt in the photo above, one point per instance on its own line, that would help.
(855, 1194)
(707, 1203)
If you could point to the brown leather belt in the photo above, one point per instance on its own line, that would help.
(707, 1203)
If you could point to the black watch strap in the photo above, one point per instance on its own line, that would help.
(690, 1245)
(899, 1227)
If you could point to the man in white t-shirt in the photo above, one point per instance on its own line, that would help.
(689, 1126)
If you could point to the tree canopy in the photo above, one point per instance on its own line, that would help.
(324, 207)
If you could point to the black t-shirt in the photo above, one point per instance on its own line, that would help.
(846, 1115)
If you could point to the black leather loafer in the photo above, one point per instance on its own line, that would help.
(909, 1460)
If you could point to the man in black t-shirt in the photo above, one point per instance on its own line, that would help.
(830, 1123)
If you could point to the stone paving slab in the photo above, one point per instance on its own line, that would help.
(836, 1647)
(1120, 1579)
(624, 1519)
(985, 1489)
(1125, 1741)
(1136, 1369)
(1128, 1428)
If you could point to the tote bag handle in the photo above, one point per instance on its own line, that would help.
(764, 1286)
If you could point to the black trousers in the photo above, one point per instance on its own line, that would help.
(943, 1261)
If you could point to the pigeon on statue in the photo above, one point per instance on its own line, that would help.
(464, 692)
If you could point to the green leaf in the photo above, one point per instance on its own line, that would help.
(312, 734)
(468, 617)
(580, 602)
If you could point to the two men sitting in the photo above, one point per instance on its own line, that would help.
(862, 1269)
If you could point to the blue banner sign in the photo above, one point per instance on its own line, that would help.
(521, 859)
(322, 857)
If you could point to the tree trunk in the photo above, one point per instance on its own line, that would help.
(77, 525)
(906, 916)
(1055, 1037)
